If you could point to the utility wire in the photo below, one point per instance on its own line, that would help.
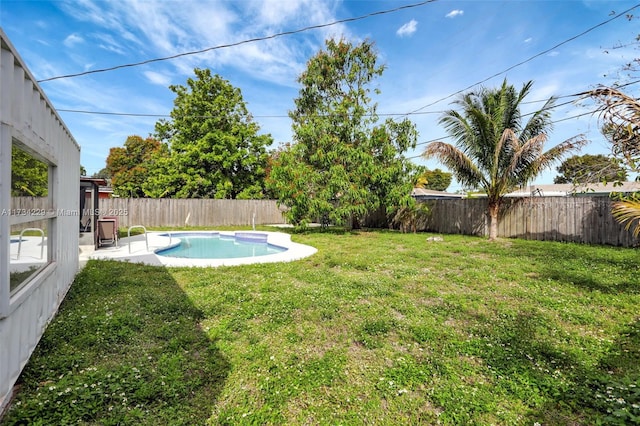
(448, 136)
(581, 94)
(624, 13)
(552, 107)
(252, 40)
(391, 114)
(414, 112)
(133, 114)
(553, 122)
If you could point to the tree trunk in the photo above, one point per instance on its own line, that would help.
(493, 208)
(352, 223)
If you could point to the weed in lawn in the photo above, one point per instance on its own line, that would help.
(372, 333)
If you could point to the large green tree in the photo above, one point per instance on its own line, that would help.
(130, 165)
(436, 179)
(29, 176)
(590, 169)
(102, 174)
(214, 145)
(495, 149)
(343, 163)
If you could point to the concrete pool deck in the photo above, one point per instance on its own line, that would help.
(134, 249)
(26, 253)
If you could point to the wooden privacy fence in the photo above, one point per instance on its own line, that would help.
(21, 206)
(572, 219)
(153, 212)
(575, 219)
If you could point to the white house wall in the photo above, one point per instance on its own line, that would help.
(26, 115)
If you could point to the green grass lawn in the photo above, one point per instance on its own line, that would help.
(376, 328)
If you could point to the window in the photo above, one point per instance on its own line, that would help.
(32, 216)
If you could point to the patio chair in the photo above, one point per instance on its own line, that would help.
(86, 227)
(107, 232)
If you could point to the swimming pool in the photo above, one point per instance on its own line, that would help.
(213, 245)
(148, 250)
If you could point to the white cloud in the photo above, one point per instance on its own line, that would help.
(275, 12)
(158, 29)
(158, 78)
(109, 43)
(72, 40)
(408, 28)
(454, 13)
(528, 40)
(272, 16)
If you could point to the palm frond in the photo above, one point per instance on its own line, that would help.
(509, 142)
(559, 151)
(620, 114)
(530, 161)
(525, 155)
(628, 211)
(617, 104)
(539, 122)
(464, 169)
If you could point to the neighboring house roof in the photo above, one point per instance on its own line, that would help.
(90, 184)
(430, 194)
(568, 189)
(92, 181)
(103, 189)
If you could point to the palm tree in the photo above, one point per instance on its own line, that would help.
(628, 211)
(620, 114)
(495, 150)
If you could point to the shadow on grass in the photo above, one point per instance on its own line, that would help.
(585, 266)
(315, 230)
(608, 391)
(336, 230)
(126, 347)
(552, 379)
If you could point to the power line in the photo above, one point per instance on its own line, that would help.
(552, 107)
(134, 114)
(617, 86)
(448, 136)
(581, 94)
(390, 114)
(415, 112)
(553, 122)
(126, 114)
(624, 13)
(251, 40)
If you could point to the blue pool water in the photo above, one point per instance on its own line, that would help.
(213, 245)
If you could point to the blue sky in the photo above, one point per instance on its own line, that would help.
(431, 52)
